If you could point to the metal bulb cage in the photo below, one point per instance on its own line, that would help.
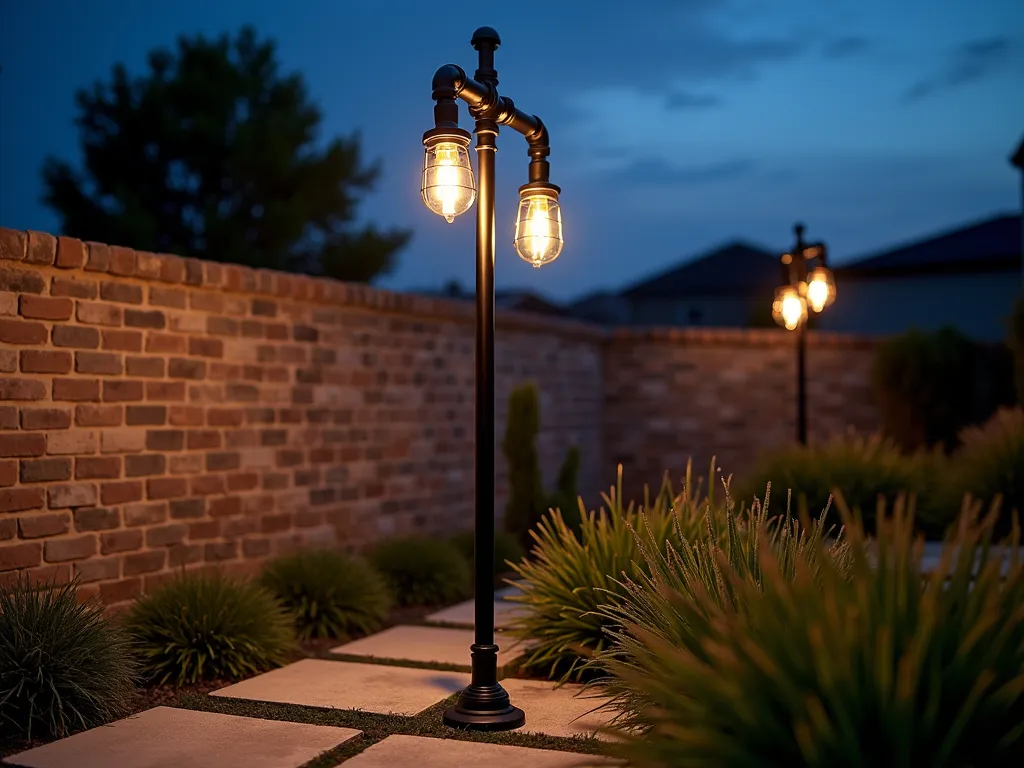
(447, 186)
(789, 308)
(538, 237)
(820, 289)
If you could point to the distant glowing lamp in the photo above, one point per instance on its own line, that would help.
(821, 289)
(789, 308)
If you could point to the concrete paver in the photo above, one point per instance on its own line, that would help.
(422, 752)
(425, 645)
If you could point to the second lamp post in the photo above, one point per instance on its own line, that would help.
(807, 285)
(448, 189)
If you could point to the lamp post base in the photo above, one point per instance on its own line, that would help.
(484, 708)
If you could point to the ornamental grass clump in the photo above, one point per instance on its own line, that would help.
(865, 662)
(710, 567)
(206, 626)
(571, 574)
(63, 666)
(329, 593)
(422, 570)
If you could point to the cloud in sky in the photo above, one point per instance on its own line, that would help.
(687, 100)
(659, 172)
(969, 62)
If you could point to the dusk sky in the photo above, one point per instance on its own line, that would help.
(675, 125)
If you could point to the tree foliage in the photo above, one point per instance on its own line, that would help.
(214, 153)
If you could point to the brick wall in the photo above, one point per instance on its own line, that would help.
(671, 394)
(159, 412)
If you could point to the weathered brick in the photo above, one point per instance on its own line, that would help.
(20, 555)
(45, 307)
(242, 393)
(70, 253)
(121, 492)
(144, 562)
(18, 499)
(175, 298)
(305, 333)
(97, 467)
(218, 462)
(226, 506)
(203, 439)
(255, 547)
(99, 415)
(97, 519)
(42, 249)
(22, 445)
(184, 554)
(71, 442)
(140, 465)
(173, 391)
(98, 569)
(37, 526)
(21, 280)
(98, 313)
(146, 415)
(76, 336)
(123, 293)
(204, 530)
(8, 417)
(264, 308)
(123, 391)
(145, 514)
(221, 326)
(165, 343)
(80, 390)
(166, 487)
(122, 261)
(101, 363)
(74, 286)
(185, 416)
(122, 341)
(120, 591)
(8, 528)
(71, 495)
(45, 418)
(225, 417)
(22, 332)
(166, 535)
(188, 509)
(165, 439)
(120, 541)
(219, 551)
(138, 318)
(207, 485)
(13, 244)
(122, 440)
(45, 361)
(21, 389)
(149, 367)
(97, 257)
(172, 268)
(242, 481)
(185, 464)
(184, 368)
(8, 360)
(45, 470)
(73, 548)
(205, 347)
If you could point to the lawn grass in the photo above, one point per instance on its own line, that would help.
(376, 727)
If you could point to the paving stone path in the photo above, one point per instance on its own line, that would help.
(166, 737)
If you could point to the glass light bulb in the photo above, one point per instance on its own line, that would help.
(790, 308)
(538, 238)
(448, 186)
(821, 289)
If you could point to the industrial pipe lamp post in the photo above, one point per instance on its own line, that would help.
(448, 189)
(807, 284)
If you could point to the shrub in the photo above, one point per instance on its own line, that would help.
(527, 502)
(506, 549)
(421, 570)
(329, 593)
(205, 626)
(860, 468)
(572, 574)
(929, 386)
(989, 464)
(526, 499)
(881, 666)
(63, 666)
(695, 570)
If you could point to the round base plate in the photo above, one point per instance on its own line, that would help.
(507, 720)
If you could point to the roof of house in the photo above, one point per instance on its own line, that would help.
(993, 245)
(517, 299)
(736, 269)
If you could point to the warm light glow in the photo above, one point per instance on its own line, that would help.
(821, 289)
(790, 308)
(539, 228)
(448, 186)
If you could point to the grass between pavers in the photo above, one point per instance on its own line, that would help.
(377, 727)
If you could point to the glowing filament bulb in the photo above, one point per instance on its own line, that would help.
(447, 156)
(792, 311)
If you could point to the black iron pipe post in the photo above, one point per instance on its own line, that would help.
(484, 704)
